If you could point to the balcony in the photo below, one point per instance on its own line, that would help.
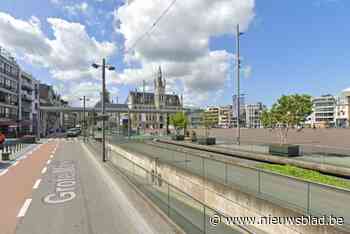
(27, 97)
(27, 108)
(27, 85)
(8, 116)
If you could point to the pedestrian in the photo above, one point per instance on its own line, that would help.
(2, 140)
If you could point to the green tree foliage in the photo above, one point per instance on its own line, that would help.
(288, 112)
(207, 122)
(179, 121)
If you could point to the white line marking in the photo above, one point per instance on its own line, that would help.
(44, 170)
(51, 156)
(37, 183)
(4, 172)
(48, 162)
(15, 164)
(24, 208)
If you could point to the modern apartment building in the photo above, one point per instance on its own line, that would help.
(194, 117)
(324, 108)
(225, 116)
(342, 110)
(253, 115)
(9, 77)
(29, 103)
(241, 110)
(212, 115)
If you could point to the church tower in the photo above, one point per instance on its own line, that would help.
(159, 90)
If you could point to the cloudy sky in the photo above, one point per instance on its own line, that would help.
(287, 46)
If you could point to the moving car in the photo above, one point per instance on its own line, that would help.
(73, 132)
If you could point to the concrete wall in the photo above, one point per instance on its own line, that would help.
(229, 201)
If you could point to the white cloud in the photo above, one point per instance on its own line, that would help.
(68, 56)
(180, 42)
(75, 92)
(247, 71)
(23, 36)
(77, 8)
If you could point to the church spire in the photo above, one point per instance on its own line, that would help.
(160, 75)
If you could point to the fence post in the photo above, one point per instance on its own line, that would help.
(308, 198)
(226, 179)
(203, 170)
(168, 200)
(259, 181)
(205, 220)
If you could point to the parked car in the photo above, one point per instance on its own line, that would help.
(73, 132)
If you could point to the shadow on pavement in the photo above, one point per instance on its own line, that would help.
(4, 165)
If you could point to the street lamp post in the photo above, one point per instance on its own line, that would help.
(238, 66)
(84, 99)
(111, 68)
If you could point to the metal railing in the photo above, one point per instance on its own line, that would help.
(190, 214)
(303, 196)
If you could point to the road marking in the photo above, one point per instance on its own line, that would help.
(44, 170)
(15, 163)
(64, 174)
(4, 172)
(51, 156)
(48, 162)
(23, 210)
(37, 183)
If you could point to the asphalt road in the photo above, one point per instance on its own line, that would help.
(77, 194)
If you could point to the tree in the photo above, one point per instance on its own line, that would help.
(207, 122)
(288, 112)
(179, 121)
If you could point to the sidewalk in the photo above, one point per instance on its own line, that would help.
(16, 157)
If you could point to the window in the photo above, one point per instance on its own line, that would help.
(2, 66)
(7, 83)
(7, 112)
(2, 81)
(14, 72)
(7, 69)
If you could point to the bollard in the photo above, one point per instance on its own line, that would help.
(10, 151)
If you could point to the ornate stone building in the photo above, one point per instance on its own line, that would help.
(159, 99)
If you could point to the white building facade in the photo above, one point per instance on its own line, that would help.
(330, 111)
(342, 110)
(253, 114)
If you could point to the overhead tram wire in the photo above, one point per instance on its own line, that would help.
(149, 31)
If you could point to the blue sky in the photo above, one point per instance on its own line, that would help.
(290, 46)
